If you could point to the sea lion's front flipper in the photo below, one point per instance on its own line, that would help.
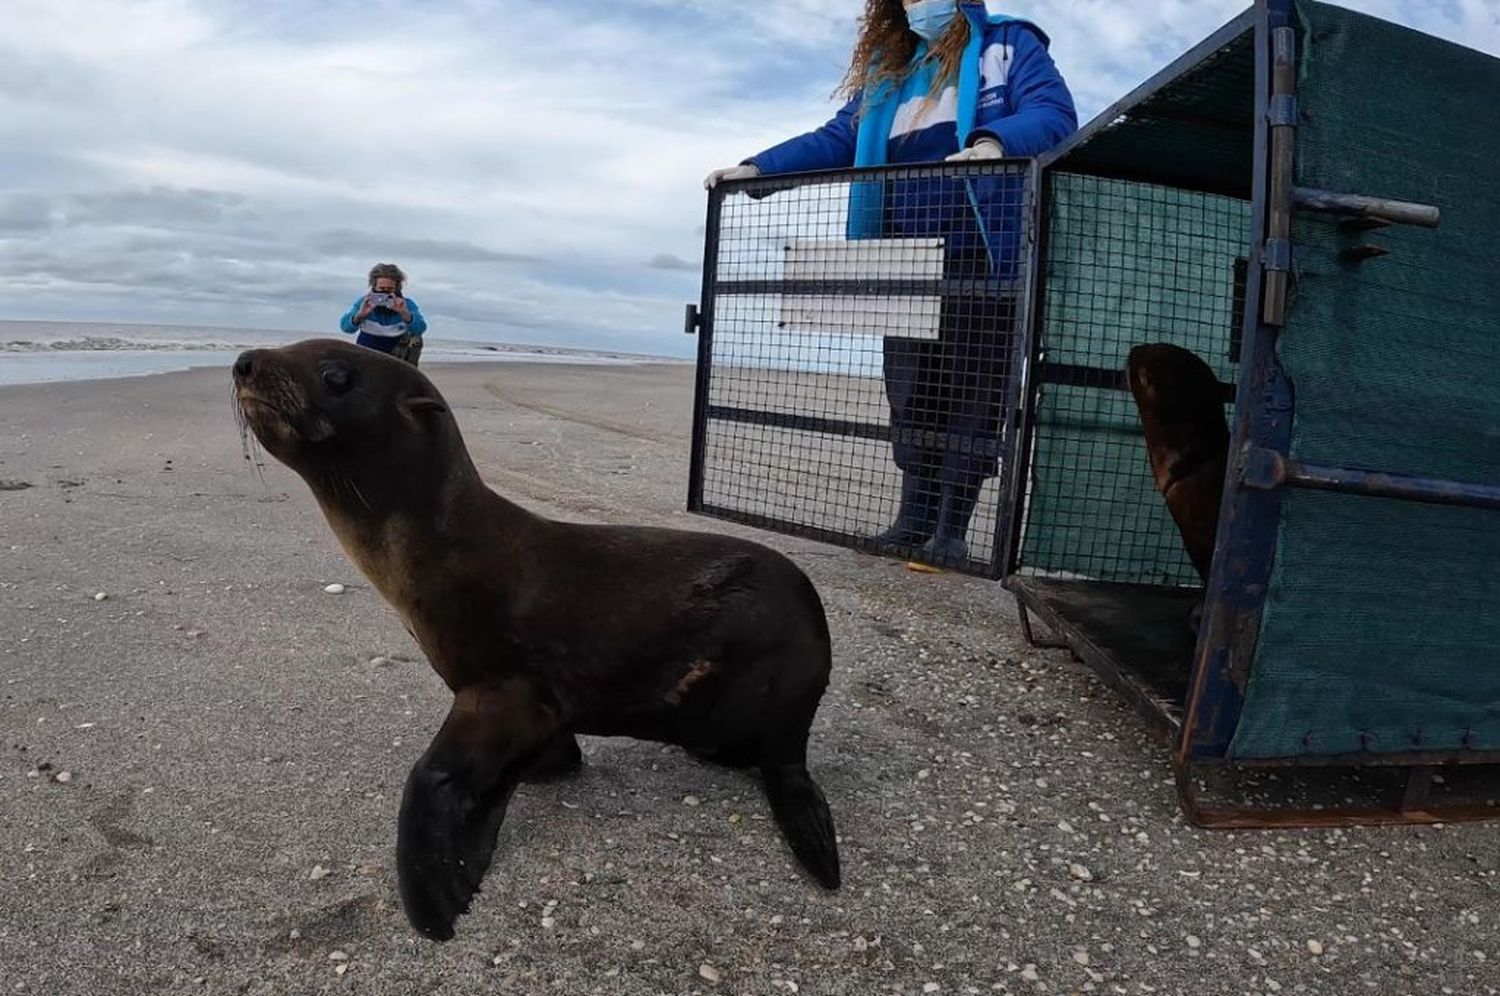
(456, 796)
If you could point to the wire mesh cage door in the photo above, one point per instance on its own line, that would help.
(860, 336)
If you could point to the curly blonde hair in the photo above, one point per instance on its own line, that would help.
(886, 45)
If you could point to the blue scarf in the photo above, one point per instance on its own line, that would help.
(878, 113)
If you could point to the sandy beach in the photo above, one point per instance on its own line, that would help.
(200, 772)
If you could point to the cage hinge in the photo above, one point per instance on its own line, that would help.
(1283, 111)
(1262, 469)
(692, 320)
(1277, 255)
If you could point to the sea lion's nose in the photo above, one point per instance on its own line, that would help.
(245, 363)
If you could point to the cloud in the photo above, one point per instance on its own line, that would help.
(373, 242)
(24, 212)
(536, 168)
(666, 261)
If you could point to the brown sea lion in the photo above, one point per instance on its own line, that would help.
(1181, 404)
(542, 629)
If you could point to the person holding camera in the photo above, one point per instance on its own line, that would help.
(384, 319)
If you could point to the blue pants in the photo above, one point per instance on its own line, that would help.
(948, 397)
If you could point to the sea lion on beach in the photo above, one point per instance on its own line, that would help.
(1181, 404)
(542, 629)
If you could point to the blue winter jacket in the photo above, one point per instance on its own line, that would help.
(383, 323)
(1007, 88)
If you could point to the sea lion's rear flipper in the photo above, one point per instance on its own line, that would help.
(802, 814)
(456, 796)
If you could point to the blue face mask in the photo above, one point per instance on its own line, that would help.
(930, 18)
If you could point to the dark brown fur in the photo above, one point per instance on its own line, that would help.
(1181, 405)
(542, 629)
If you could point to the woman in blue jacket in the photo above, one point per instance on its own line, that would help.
(384, 319)
(935, 80)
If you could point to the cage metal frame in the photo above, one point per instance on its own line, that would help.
(700, 320)
(1259, 467)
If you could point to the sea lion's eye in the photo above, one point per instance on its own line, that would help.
(337, 378)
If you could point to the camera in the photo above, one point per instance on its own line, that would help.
(381, 300)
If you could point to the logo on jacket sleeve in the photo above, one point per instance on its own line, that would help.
(994, 65)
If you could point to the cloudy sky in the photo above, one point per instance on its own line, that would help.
(535, 167)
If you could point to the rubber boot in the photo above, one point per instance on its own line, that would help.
(917, 517)
(955, 508)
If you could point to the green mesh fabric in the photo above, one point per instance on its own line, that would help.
(1127, 263)
(1382, 630)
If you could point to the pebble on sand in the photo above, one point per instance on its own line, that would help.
(708, 972)
(334, 589)
(100, 596)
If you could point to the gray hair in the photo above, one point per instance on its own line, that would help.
(390, 270)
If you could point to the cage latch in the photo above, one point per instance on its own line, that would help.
(1262, 469)
(692, 320)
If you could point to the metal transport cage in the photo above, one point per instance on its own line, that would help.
(1294, 202)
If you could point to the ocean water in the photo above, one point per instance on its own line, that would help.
(45, 352)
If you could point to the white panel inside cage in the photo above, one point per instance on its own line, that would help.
(870, 260)
(850, 314)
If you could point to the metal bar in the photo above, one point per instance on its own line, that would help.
(1078, 375)
(1101, 378)
(1028, 392)
(758, 187)
(1283, 151)
(1364, 207)
(1251, 818)
(1030, 634)
(1017, 370)
(703, 379)
(1267, 470)
(835, 537)
(799, 422)
(901, 287)
(1234, 597)
(925, 438)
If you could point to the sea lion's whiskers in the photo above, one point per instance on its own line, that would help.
(249, 444)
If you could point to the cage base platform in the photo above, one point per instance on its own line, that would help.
(1136, 637)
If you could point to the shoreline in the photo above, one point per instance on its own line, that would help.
(114, 364)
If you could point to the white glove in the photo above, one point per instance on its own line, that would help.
(985, 148)
(741, 172)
